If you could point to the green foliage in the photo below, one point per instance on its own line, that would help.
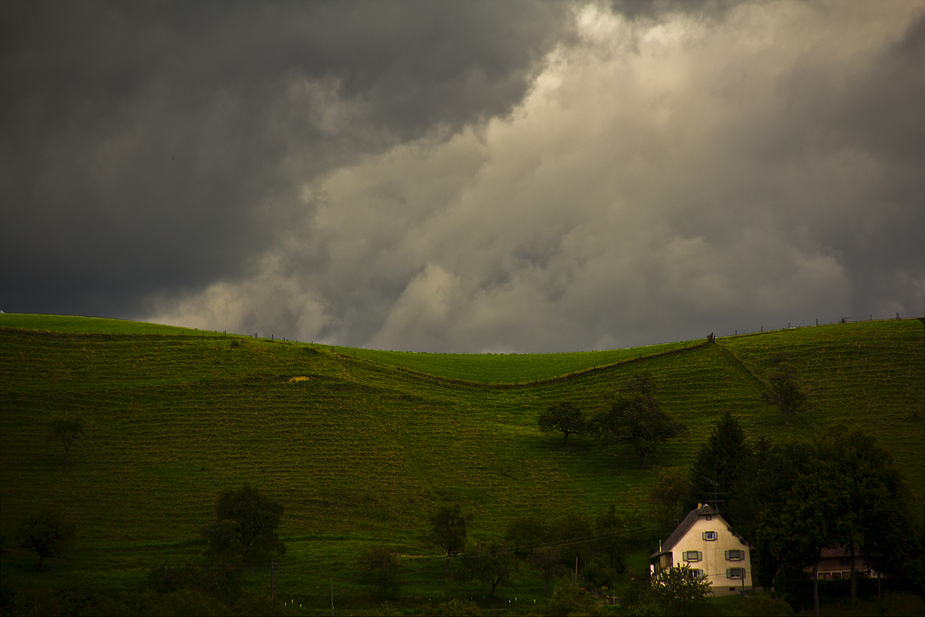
(379, 566)
(246, 525)
(46, 533)
(765, 605)
(563, 417)
(250, 604)
(636, 418)
(179, 604)
(874, 515)
(786, 391)
(671, 494)
(575, 531)
(448, 530)
(386, 609)
(493, 566)
(455, 608)
(844, 491)
(795, 587)
(65, 429)
(609, 527)
(525, 533)
(215, 581)
(678, 591)
(568, 600)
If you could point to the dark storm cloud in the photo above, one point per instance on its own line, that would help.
(154, 147)
(464, 176)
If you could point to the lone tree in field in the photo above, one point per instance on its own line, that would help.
(636, 418)
(46, 534)
(563, 418)
(492, 566)
(786, 391)
(246, 525)
(66, 429)
(448, 531)
(379, 567)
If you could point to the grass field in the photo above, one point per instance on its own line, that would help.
(362, 449)
(509, 368)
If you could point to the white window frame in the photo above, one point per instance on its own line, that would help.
(735, 573)
(692, 556)
(698, 573)
(710, 536)
(735, 555)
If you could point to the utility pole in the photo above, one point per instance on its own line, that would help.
(743, 590)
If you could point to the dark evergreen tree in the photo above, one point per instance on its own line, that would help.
(719, 465)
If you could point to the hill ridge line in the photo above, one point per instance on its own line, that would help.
(518, 384)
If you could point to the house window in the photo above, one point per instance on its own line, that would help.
(692, 555)
(735, 555)
(709, 517)
(698, 573)
(735, 572)
(709, 535)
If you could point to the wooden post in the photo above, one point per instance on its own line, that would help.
(743, 591)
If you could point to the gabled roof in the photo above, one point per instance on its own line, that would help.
(685, 526)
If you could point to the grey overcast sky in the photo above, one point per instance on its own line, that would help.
(467, 176)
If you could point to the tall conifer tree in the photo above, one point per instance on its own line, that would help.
(719, 464)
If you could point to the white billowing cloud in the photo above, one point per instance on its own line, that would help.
(269, 302)
(662, 179)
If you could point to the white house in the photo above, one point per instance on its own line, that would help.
(704, 542)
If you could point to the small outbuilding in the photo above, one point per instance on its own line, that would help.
(704, 542)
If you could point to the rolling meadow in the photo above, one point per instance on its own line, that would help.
(361, 446)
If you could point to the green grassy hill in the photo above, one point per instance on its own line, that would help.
(362, 446)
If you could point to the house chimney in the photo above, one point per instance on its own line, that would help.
(659, 546)
(699, 505)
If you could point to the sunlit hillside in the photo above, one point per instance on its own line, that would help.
(360, 451)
